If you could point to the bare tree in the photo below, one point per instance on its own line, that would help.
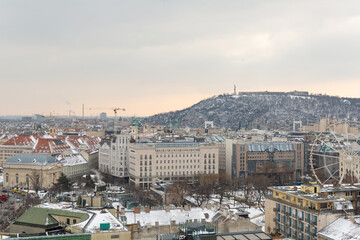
(255, 188)
(36, 180)
(221, 184)
(202, 189)
(178, 191)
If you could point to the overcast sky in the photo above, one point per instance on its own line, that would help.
(154, 56)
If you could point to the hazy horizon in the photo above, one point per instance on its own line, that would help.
(157, 56)
(110, 113)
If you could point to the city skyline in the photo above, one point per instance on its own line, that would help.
(165, 56)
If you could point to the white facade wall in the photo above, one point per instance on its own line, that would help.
(114, 156)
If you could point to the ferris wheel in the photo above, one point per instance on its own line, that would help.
(335, 153)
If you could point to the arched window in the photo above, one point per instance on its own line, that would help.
(145, 156)
(209, 155)
(213, 155)
(141, 157)
(205, 155)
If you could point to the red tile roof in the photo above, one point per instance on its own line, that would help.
(22, 140)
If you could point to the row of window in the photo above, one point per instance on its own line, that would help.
(293, 212)
(180, 155)
(295, 233)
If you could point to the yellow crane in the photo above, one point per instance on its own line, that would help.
(115, 109)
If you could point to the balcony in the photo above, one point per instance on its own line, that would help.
(312, 223)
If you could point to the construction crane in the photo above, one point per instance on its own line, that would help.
(115, 109)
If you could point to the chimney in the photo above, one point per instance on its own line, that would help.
(208, 206)
(186, 208)
(122, 211)
(156, 224)
(117, 212)
(136, 210)
(167, 208)
(230, 214)
(147, 209)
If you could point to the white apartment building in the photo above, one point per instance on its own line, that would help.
(114, 156)
(74, 165)
(168, 161)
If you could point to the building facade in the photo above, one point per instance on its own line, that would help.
(74, 165)
(8, 151)
(22, 169)
(244, 159)
(168, 161)
(114, 156)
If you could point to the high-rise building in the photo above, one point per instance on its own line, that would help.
(103, 116)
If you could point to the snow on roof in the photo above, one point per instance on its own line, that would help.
(92, 224)
(32, 159)
(340, 205)
(98, 217)
(70, 160)
(259, 221)
(165, 218)
(342, 228)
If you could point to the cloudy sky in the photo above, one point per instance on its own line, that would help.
(154, 56)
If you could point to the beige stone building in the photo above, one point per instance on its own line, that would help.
(16, 145)
(8, 151)
(326, 123)
(168, 161)
(20, 170)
